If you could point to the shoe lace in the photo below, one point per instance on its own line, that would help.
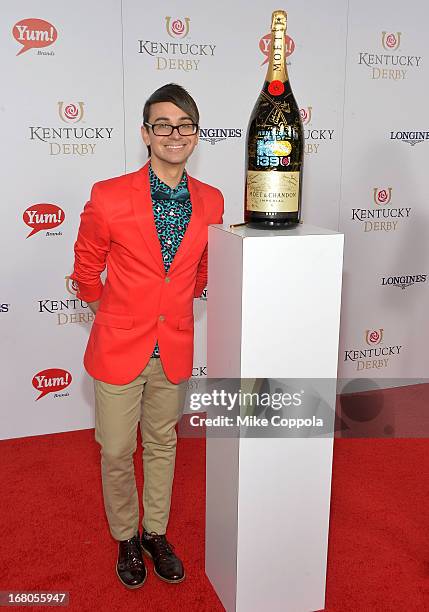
(163, 548)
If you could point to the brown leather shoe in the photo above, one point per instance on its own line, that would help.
(166, 564)
(130, 567)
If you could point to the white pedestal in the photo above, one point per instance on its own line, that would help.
(273, 312)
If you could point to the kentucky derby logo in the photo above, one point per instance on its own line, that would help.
(390, 41)
(265, 46)
(382, 196)
(70, 113)
(305, 114)
(373, 336)
(179, 28)
(70, 139)
(375, 355)
(181, 53)
(71, 285)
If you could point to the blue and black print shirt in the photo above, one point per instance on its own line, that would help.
(172, 211)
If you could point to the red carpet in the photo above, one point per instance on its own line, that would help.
(54, 534)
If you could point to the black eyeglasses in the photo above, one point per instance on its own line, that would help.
(164, 129)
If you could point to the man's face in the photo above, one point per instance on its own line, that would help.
(173, 149)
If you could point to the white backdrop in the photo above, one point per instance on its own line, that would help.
(71, 115)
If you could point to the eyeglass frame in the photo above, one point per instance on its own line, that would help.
(173, 127)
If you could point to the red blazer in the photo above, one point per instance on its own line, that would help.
(139, 302)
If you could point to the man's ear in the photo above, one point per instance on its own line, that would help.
(145, 135)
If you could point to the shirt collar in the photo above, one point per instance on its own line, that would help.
(162, 191)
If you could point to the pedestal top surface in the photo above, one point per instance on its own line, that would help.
(303, 229)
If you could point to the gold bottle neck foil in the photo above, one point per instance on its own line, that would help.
(277, 70)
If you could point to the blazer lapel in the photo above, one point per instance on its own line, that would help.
(142, 207)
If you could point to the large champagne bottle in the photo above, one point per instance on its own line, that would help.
(275, 144)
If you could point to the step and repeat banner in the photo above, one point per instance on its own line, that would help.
(75, 83)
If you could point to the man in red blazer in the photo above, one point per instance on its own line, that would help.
(150, 228)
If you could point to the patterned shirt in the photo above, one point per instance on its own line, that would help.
(172, 211)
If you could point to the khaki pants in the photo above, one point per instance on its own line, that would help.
(157, 404)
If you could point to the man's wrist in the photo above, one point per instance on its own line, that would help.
(94, 305)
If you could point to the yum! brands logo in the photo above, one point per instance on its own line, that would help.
(71, 139)
(387, 62)
(382, 217)
(178, 28)
(265, 46)
(70, 112)
(377, 356)
(43, 217)
(34, 34)
(177, 54)
(314, 136)
(52, 380)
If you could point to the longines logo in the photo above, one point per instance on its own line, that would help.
(34, 34)
(69, 310)
(381, 218)
(411, 138)
(404, 281)
(43, 217)
(265, 46)
(70, 140)
(215, 135)
(314, 137)
(392, 66)
(178, 55)
(377, 356)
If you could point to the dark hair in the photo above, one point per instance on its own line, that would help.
(178, 96)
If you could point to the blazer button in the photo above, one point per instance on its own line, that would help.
(167, 279)
(161, 318)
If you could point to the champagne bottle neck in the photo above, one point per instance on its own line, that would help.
(277, 70)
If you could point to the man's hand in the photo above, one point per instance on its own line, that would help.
(94, 305)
